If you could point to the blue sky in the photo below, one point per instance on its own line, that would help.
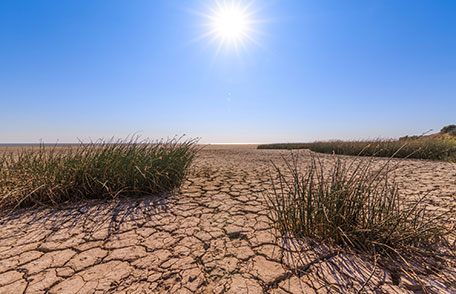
(321, 70)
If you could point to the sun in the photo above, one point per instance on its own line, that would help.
(230, 23)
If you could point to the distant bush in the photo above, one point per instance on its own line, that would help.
(421, 148)
(101, 170)
(450, 129)
(408, 138)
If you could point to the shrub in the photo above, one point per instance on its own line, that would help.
(353, 205)
(450, 129)
(54, 175)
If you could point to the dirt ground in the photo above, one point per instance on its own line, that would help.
(212, 237)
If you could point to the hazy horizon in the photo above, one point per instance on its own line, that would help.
(291, 71)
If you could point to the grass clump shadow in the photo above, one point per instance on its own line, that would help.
(356, 206)
(51, 176)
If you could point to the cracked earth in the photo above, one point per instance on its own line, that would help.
(214, 236)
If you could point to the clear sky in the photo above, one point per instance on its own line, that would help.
(316, 69)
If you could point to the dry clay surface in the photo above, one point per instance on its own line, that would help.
(214, 236)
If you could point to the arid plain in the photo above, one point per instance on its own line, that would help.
(214, 236)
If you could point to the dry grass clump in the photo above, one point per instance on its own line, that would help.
(433, 148)
(354, 205)
(99, 170)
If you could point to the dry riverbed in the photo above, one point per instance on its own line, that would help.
(213, 237)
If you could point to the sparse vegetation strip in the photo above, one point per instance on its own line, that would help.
(432, 148)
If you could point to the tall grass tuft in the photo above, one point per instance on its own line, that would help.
(98, 170)
(433, 148)
(354, 205)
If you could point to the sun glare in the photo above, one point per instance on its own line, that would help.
(230, 23)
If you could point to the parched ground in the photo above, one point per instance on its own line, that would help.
(213, 237)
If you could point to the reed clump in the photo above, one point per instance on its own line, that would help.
(98, 170)
(353, 204)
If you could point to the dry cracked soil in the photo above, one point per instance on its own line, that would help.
(214, 236)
